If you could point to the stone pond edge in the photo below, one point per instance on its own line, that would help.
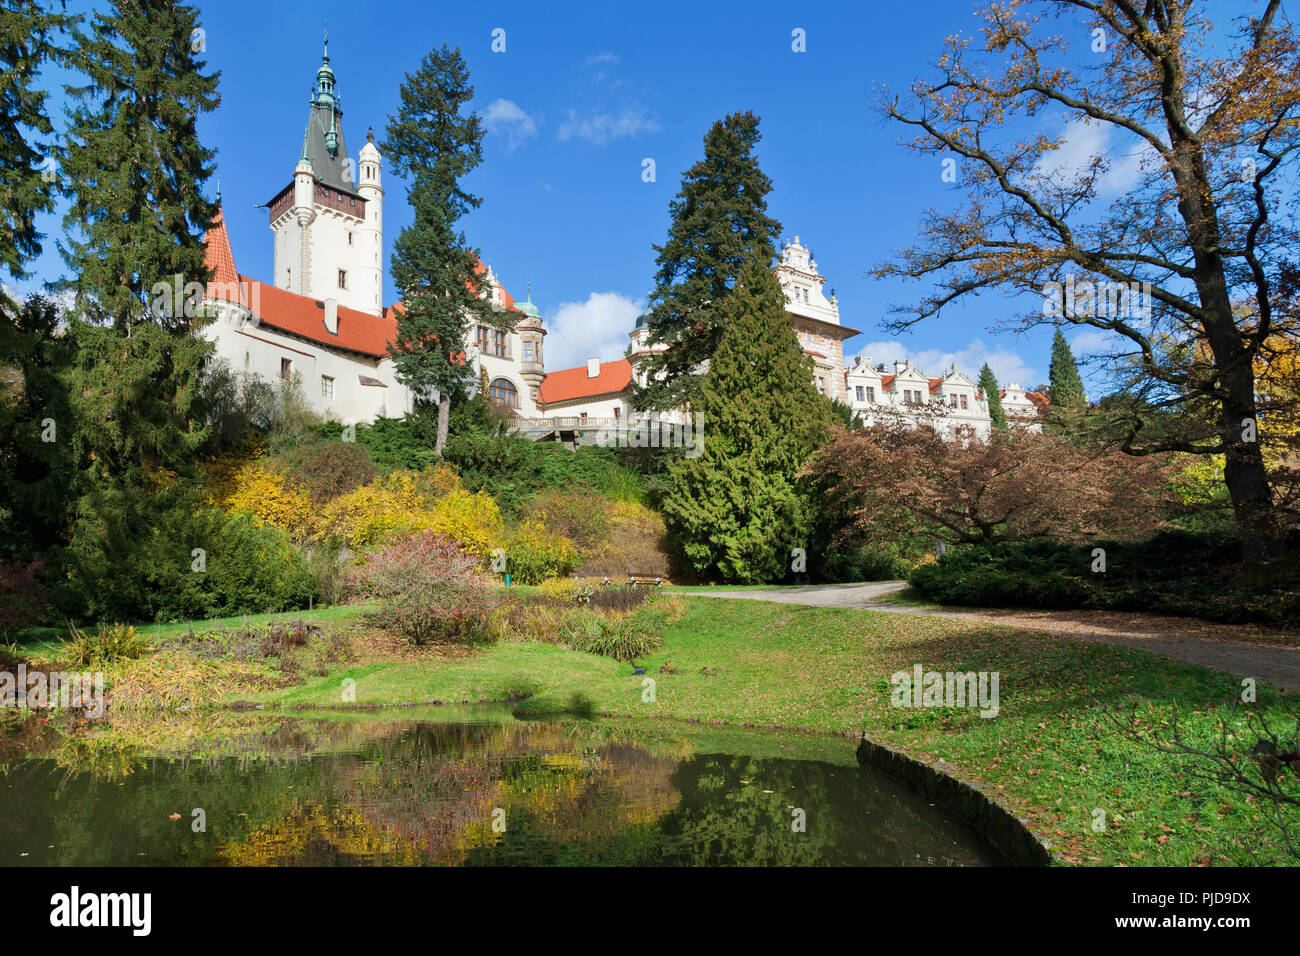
(1007, 833)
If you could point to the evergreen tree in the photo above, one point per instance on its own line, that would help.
(135, 171)
(135, 165)
(738, 509)
(719, 224)
(988, 384)
(26, 189)
(1066, 385)
(33, 408)
(435, 143)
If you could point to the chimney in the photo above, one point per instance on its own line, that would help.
(593, 367)
(899, 366)
(332, 316)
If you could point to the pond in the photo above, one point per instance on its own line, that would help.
(469, 787)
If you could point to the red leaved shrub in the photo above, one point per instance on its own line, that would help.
(428, 589)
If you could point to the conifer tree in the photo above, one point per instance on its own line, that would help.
(1066, 385)
(134, 168)
(738, 509)
(988, 384)
(34, 462)
(434, 143)
(27, 32)
(719, 224)
(133, 163)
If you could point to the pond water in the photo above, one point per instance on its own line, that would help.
(481, 788)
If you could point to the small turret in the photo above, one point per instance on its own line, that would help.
(531, 332)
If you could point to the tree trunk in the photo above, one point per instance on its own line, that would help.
(1244, 471)
(444, 409)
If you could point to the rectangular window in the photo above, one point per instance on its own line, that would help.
(326, 387)
(499, 344)
(528, 352)
(861, 393)
(963, 401)
(286, 368)
(871, 394)
(343, 278)
(615, 414)
(952, 401)
(481, 339)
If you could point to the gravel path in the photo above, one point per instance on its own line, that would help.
(1241, 649)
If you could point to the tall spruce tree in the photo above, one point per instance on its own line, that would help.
(134, 169)
(133, 163)
(988, 384)
(1066, 385)
(434, 142)
(738, 509)
(719, 224)
(27, 32)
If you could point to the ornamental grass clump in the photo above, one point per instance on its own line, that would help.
(427, 589)
(109, 644)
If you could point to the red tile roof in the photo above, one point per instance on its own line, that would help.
(1038, 398)
(887, 382)
(299, 314)
(934, 385)
(572, 383)
(219, 257)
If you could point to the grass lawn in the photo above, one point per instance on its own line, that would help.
(1051, 753)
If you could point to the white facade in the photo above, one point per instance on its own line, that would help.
(338, 385)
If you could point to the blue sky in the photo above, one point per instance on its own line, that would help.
(582, 95)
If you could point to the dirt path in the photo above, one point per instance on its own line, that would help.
(1241, 649)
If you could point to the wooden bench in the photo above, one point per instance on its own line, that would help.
(633, 580)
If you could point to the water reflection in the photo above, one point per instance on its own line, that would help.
(484, 790)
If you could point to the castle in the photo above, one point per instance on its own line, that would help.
(321, 321)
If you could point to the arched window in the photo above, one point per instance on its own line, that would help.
(503, 390)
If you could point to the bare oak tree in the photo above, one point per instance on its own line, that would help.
(1212, 115)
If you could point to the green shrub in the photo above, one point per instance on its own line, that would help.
(866, 562)
(1172, 573)
(327, 469)
(133, 557)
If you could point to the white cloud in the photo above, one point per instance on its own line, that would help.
(1006, 364)
(506, 118)
(600, 127)
(1094, 340)
(1084, 140)
(597, 328)
(600, 58)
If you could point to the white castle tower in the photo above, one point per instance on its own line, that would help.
(328, 222)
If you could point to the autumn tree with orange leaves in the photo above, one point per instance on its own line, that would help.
(1213, 110)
